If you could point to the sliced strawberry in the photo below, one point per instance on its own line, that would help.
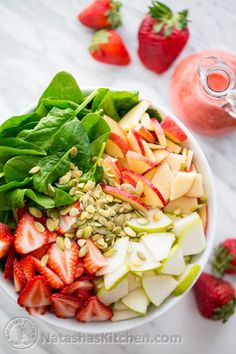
(20, 212)
(63, 263)
(85, 284)
(37, 311)
(27, 237)
(8, 270)
(6, 239)
(40, 252)
(82, 293)
(65, 306)
(53, 280)
(79, 268)
(87, 277)
(65, 223)
(51, 237)
(27, 265)
(36, 293)
(93, 260)
(94, 310)
(18, 276)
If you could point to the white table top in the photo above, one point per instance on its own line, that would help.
(39, 38)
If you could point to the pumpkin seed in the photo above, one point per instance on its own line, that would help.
(89, 186)
(83, 251)
(90, 209)
(117, 230)
(81, 242)
(128, 187)
(130, 232)
(143, 221)
(60, 243)
(79, 233)
(87, 232)
(110, 226)
(65, 210)
(70, 234)
(121, 220)
(96, 237)
(66, 178)
(80, 185)
(139, 188)
(34, 170)
(101, 244)
(177, 211)
(39, 227)
(102, 220)
(55, 214)
(109, 198)
(50, 225)
(141, 255)
(35, 212)
(104, 213)
(44, 260)
(67, 243)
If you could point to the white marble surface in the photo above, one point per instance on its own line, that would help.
(39, 38)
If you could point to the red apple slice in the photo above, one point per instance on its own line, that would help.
(159, 132)
(135, 142)
(115, 127)
(122, 163)
(172, 147)
(148, 152)
(156, 146)
(138, 163)
(116, 146)
(149, 174)
(160, 155)
(133, 117)
(173, 131)
(145, 134)
(127, 179)
(126, 197)
(162, 180)
(175, 161)
(181, 184)
(146, 122)
(152, 195)
(110, 166)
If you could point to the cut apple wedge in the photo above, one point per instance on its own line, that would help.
(162, 180)
(124, 315)
(110, 167)
(174, 264)
(138, 163)
(122, 163)
(159, 132)
(162, 223)
(136, 300)
(111, 280)
(181, 184)
(158, 287)
(159, 244)
(148, 152)
(189, 159)
(115, 127)
(116, 146)
(133, 117)
(203, 213)
(149, 174)
(190, 234)
(133, 282)
(175, 161)
(152, 195)
(128, 179)
(173, 131)
(186, 279)
(145, 134)
(126, 197)
(156, 146)
(161, 155)
(119, 306)
(143, 264)
(173, 147)
(108, 297)
(185, 205)
(135, 142)
(196, 190)
(146, 122)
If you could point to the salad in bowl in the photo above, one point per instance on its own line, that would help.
(104, 207)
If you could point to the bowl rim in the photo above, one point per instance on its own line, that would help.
(115, 327)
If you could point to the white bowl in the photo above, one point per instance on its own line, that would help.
(153, 312)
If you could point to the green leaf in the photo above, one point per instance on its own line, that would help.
(6, 217)
(90, 124)
(15, 184)
(14, 125)
(18, 167)
(153, 113)
(102, 92)
(62, 104)
(96, 172)
(16, 146)
(124, 101)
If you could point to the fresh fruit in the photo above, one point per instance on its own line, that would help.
(145, 134)
(158, 287)
(133, 282)
(183, 205)
(27, 265)
(159, 244)
(155, 221)
(126, 197)
(136, 300)
(40, 252)
(181, 184)
(6, 239)
(140, 259)
(173, 131)
(172, 147)
(115, 127)
(159, 132)
(162, 36)
(66, 222)
(132, 118)
(146, 122)
(94, 310)
(27, 237)
(119, 306)
(203, 213)
(63, 263)
(174, 264)
(161, 155)
(175, 161)
(111, 280)
(124, 315)
(79, 268)
(108, 297)
(36, 293)
(215, 297)
(186, 279)
(18, 276)
(52, 278)
(37, 311)
(77, 285)
(135, 142)
(189, 158)
(225, 257)
(101, 14)
(116, 146)
(196, 191)
(93, 260)
(149, 174)
(65, 306)
(190, 234)
(138, 163)
(162, 180)
(110, 167)
(148, 152)
(108, 47)
(8, 270)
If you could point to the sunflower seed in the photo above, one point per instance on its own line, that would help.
(83, 251)
(81, 185)
(81, 242)
(89, 186)
(67, 243)
(44, 260)
(60, 243)
(109, 198)
(34, 170)
(130, 232)
(143, 221)
(35, 212)
(79, 233)
(39, 227)
(139, 188)
(141, 255)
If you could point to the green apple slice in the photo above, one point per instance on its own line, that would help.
(132, 117)
(108, 297)
(119, 306)
(174, 264)
(124, 315)
(134, 282)
(135, 263)
(121, 248)
(186, 279)
(136, 301)
(152, 225)
(159, 244)
(190, 234)
(158, 288)
(113, 279)
(185, 205)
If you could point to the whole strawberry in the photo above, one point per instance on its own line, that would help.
(162, 36)
(215, 297)
(108, 47)
(225, 257)
(101, 14)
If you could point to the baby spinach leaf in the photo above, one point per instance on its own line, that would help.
(98, 99)
(62, 198)
(14, 125)
(124, 101)
(16, 146)
(95, 146)
(95, 173)
(85, 102)
(62, 104)
(63, 87)
(153, 113)
(108, 106)
(15, 184)
(7, 218)
(90, 124)
(18, 167)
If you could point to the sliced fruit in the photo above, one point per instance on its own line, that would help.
(133, 117)
(63, 263)
(203, 213)
(6, 239)
(27, 265)
(140, 259)
(27, 237)
(133, 282)
(159, 132)
(126, 197)
(65, 223)
(175, 161)
(160, 155)
(197, 190)
(40, 252)
(186, 279)
(78, 285)
(136, 300)
(138, 163)
(149, 174)
(124, 315)
(173, 131)
(36, 311)
(150, 224)
(18, 276)
(65, 306)
(94, 310)
(135, 142)
(172, 147)
(145, 134)
(108, 297)
(111, 280)
(159, 244)
(189, 158)
(79, 268)
(93, 260)
(181, 184)
(162, 180)
(148, 152)
(8, 270)
(174, 264)
(119, 306)
(128, 179)
(110, 167)
(116, 146)
(36, 293)
(158, 288)
(190, 233)
(146, 122)
(52, 278)
(183, 205)
(115, 127)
